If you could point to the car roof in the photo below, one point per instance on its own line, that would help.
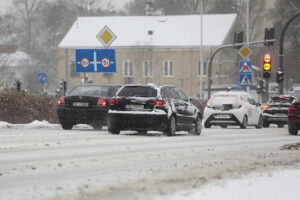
(153, 85)
(238, 93)
(96, 84)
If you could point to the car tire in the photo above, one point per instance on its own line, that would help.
(114, 131)
(198, 126)
(266, 125)
(143, 132)
(207, 125)
(66, 125)
(280, 125)
(97, 125)
(244, 122)
(260, 123)
(293, 129)
(171, 130)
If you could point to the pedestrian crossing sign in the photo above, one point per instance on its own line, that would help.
(245, 69)
(245, 80)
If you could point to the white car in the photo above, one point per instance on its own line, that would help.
(232, 108)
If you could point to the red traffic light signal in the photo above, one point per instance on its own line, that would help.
(267, 66)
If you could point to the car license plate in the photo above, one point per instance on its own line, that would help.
(135, 107)
(281, 115)
(222, 116)
(80, 104)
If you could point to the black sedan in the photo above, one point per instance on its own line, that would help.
(85, 104)
(276, 110)
(149, 107)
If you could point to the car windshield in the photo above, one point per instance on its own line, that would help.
(90, 90)
(220, 100)
(138, 91)
(281, 99)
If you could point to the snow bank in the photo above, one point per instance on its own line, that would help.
(33, 125)
(277, 185)
(38, 125)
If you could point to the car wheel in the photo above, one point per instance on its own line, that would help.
(244, 123)
(280, 125)
(224, 126)
(207, 125)
(171, 130)
(143, 132)
(198, 126)
(66, 125)
(97, 125)
(293, 130)
(260, 123)
(113, 131)
(266, 125)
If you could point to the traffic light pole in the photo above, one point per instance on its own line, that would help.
(281, 55)
(210, 66)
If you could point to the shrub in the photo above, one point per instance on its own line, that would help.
(24, 107)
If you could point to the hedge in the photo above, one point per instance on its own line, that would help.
(22, 107)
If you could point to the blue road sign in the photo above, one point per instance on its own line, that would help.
(245, 69)
(95, 60)
(42, 78)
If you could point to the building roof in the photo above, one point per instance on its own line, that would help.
(167, 31)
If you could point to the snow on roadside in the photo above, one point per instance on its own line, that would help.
(36, 125)
(275, 185)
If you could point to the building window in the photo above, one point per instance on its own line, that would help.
(128, 69)
(148, 68)
(73, 67)
(202, 68)
(168, 68)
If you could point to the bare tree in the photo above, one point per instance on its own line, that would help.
(28, 10)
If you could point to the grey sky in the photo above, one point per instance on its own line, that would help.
(4, 4)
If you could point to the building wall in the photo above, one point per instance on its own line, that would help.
(185, 65)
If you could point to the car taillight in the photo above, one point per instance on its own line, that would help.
(291, 108)
(102, 102)
(264, 107)
(158, 102)
(113, 102)
(61, 101)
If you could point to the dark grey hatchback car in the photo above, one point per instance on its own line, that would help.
(153, 108)
(85, 104)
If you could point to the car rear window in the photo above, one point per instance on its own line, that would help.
(282, 99)
(138, 91)
(90, 90)
(224, 99)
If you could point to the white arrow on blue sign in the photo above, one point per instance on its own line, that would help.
(95, 60)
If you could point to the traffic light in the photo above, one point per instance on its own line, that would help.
(260, 86)
(267, 66)
(238, 38)
(269, 35)
(279, 76)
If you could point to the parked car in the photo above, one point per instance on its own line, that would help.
(276, 110)
(153, 108)
(232, 108)
(294, 116)
(85, 104)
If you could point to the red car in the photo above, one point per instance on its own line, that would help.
(294, 117)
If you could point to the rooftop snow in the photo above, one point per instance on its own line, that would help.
(167, 31)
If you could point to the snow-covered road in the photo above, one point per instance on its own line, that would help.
(45, 162)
